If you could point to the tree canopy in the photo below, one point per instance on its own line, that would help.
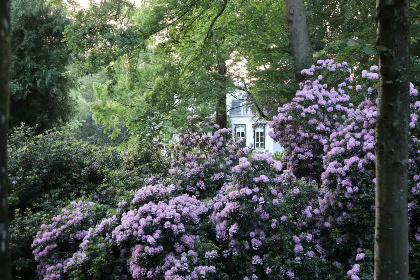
(40, 83)
(180, 69)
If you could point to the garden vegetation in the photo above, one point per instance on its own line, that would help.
(216, 209)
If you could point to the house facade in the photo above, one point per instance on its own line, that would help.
(246, 125)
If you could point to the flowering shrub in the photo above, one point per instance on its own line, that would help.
(159, 229)
(260, 225)
(203, 157)
(349, 179)
(304, 125)
(224, 213)
(347, 195)
(335, 146)
(161, 238)
(56, 245)
(47, 171)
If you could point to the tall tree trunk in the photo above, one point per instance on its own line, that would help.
(391, 223)
(221, 113)
(299, 36)
(5, 262)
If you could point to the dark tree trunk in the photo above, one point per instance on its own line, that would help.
(299, 36)
(391, 223)
(5, 266)
(221, 113)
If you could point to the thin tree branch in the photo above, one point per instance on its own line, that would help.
(208, 35)
(252, 99)
(209, 31)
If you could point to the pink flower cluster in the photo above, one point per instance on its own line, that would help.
(162, 227)
(251, 213)
(304, 125)
(68, 227)
(202, 158)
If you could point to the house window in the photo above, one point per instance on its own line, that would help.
(259, 137)
(240, 130)
(246, 110)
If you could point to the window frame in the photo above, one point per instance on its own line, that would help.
(235, 137)
(255, 137)
(246, 110)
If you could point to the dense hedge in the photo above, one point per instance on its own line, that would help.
(48, 171)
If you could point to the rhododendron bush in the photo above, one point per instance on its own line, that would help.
(339, 136)
(224, 212)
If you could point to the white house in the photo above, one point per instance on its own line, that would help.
(246, 125)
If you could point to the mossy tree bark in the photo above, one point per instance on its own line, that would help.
(299, 36)
(4, 112)
(391, 223)
(221, 113)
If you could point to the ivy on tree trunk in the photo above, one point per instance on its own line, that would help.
(4, 108)
(391, 221)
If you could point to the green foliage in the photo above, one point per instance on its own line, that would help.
(259, 34)
(160, 90)
(161, 58)
(47, 171)
(50, 168)
(40, 86)
(84, 125)
(101, 34)
(343, 29)
(23, 229)
(177, 73)
(47, 168)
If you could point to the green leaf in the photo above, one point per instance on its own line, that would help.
(351, 43)
(369, 50)
(381, 49)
